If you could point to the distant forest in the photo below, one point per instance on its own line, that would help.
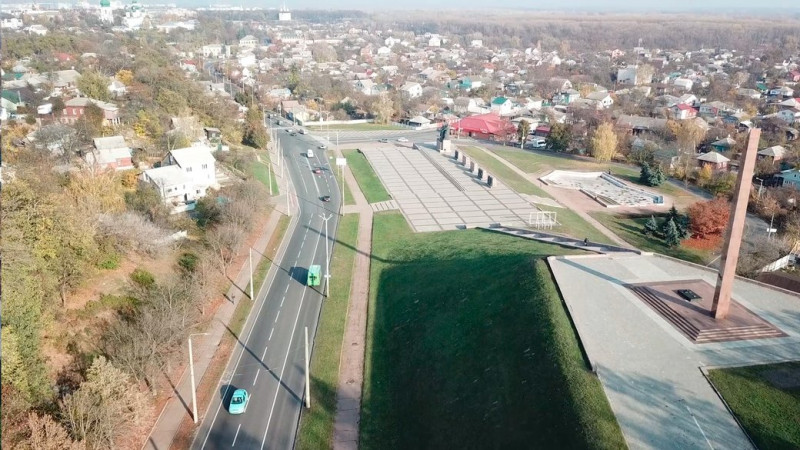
(594, 32)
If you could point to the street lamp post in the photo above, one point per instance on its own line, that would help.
(327, 258)
(191, 372)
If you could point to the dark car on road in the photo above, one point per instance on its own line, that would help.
(326, 198)
(384, 140)
(317, 170)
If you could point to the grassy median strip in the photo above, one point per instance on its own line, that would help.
(316, 424)
(367, 179)
(469, 346)
(766, 400)
(348, 196)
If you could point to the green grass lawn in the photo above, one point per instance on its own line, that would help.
(357, 127)
(259, 171)
(469, 346)
(316, 424)
(771, 415)
(502, 172)
(539, 161)
(348, 195)
(367, 179)
(629, 229)
(571, 223)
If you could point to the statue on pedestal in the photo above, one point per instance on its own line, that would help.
(444, 131)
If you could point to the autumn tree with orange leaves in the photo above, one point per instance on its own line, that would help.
(709, 218)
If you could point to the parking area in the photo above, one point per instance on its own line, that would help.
(436, 193)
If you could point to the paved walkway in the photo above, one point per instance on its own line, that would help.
(543, 236)
(351, 363)
(652, 374)
(561, 199)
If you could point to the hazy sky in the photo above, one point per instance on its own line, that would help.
(587, 5)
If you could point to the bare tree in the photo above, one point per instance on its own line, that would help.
(47, 434)
(106, 408)
(225, 240)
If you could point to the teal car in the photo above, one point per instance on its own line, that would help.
(239, 401)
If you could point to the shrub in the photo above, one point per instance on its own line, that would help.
(188, 262)
(143, 278)
(109, 261)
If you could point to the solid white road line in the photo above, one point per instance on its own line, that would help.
(277, 315)
(237, 435)
(313, 177)
(288, 350)
(258, 371)
(264, 354)
(270, 333)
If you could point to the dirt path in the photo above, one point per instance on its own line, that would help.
(351, 364)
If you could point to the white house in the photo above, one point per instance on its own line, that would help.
(367, 87)
(116, 88)
(211, 51)
(199, 165)
(248, 41)
(411, 90)
(435, 41)
(502, 105)
(247, 60)
(36, 29)
(12, 24)
(173, 184)
(627, 75)
(683, 83)
(476, 43)
(601, 97)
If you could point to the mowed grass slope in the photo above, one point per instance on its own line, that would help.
(469, 346)
(771, 415)
(367, 179)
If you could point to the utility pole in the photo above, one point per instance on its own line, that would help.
(308, 377)
(251, 272)
(269, 175)
(191, 371)
(327, 258)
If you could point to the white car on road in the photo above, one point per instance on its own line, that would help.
(402, 139)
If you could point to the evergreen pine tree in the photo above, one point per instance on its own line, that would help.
(671, 234)
(657, 176)
(644, 175)
(651, 226)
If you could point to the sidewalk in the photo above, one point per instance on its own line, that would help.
(351, 364)
(179, 405)
(562, 199)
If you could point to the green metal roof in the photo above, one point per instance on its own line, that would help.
(499, 100)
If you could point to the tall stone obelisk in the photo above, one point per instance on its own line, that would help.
(735, 230)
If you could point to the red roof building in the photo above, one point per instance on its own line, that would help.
(485, 126)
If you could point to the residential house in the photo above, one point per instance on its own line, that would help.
(683, 83)
(367, 87)
(790, 177)
(566, 97)
(411, 90)
(248, 41)
(198, 163)
(748, 93)
(683, 111)
(601, 97)
(211, 50)
(688, 99)
(65, 81)
(279, 93)
(781, 92)
(110, 153)
(716, 109)
(773, 154)
(502, 105)
(627, 75)
(418, 122)
(790, 116)
(117, 88)
(466, 105)
(74, 109)
(435, 41)
(36, 29)
(640, 124)
(559, 84)
(714, 160)
(793, 76)
(173, 185)
(723, 145)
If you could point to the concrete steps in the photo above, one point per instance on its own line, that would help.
(388, 205)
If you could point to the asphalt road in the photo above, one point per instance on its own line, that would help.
(269, 360)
